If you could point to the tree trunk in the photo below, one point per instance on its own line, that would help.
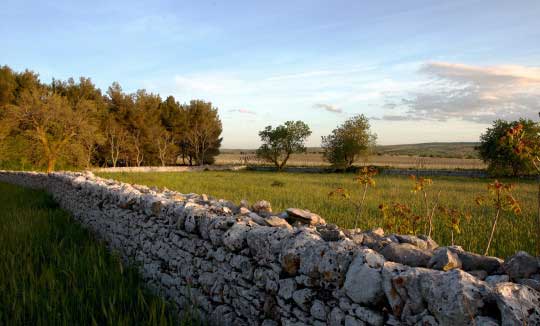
(51, 162)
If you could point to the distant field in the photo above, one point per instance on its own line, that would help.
(53, 272)
(418, 156)
(401, 161)
(310, 191)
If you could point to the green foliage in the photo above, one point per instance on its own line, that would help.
(501, 158)
(348, 142)
(53, 272)
(310, 191)
(281, 142)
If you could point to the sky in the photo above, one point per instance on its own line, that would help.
(422, 71)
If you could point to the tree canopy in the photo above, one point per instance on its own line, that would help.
(348, 142)
(281, 142)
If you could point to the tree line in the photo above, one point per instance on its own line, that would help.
(73, 124)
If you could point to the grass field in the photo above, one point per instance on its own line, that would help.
(310, 191)
(52, 272)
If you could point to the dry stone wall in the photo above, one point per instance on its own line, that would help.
(246, 265)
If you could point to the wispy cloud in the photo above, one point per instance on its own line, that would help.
(328, 107)
(472, 93)
(243, 111)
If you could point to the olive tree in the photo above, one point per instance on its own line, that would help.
(280, 142)
(348, 142)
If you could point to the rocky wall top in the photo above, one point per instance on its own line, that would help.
(245, 264)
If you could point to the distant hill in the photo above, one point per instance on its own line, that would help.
(450, 150)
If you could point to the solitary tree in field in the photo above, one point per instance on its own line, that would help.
(348, 142)
(281, 142)
(501, 158)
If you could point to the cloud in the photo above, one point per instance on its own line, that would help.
(243, 111)
(472, 93)
(328, 107)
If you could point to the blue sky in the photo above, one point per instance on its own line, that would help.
(422, 70)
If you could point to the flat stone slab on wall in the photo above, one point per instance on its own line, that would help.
(246, 265)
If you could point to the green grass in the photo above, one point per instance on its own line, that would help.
(53, 272)
(310, 191)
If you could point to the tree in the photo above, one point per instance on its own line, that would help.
(117, 138)
(281, 142)
(348, 142)
(203, 133)
(165, 145)
(500, 158)
(49, 120)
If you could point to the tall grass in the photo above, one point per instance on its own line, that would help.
(310, 191)
(53, 272)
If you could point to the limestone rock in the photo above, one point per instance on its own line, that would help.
(363, 283)
(479, 274)
(485, 321)
(235, 237)
(417, 241)
(407, 254)
(277, 222)
(471, 261)
(444, 260)
(330, 232)
(518, 304)
(390, 271)
(520, 265)
(493, 280)
(303, 298)
(318, 310)
(369, 316)
(533, 284)
(459, 296)
(336, 317)
(293, 249)
(266, 243)
(353, 321)
(377, 231)
(262, 208)
(256, 218)
(304, 216)
(411, 291)
(286, 288)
